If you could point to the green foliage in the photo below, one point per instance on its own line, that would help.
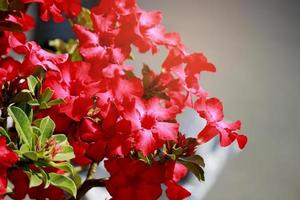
(70, 47)
(35, 179)
(84, 19)
(47, 127)
(44, 149)
(4, 5)
(22, 124)
(152, 88)
(64, 183)
(3, 132)
(66, 150)
(33, 84)
(33, 95)
(195, 165)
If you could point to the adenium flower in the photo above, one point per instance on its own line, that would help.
(56, 8)
(35, 56)
(110, 136)
(73, 83)
(212, 110)
(21, 188)
(7, 159)
(9, 71)
(134, 179)
(149, 123)
(25, 21)
(108, 113)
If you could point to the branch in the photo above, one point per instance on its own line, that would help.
(92, 171)
(87, 185)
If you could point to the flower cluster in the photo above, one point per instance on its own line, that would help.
(84, 104)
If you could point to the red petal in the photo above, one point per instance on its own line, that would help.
(197, 63)
(207, 134)
(176, 192)
(166, 131)
(146, 142)
(242, 141)
(97, 151)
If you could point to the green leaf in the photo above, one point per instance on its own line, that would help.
(60, 139)
(4, 5)
(46, 96)
(194, 168)
(55, 102)
(34, 102)
(32, 84)
(76, 56)
(3, 132)
(35, 180)
(84, 19)
(22, 124)
(23, 96)
(77, 179)
(63, 182)
(47, 127)
(36, 130)
(196, 159)
(143, 158)
(66, 154)
(66, 166)
(147, 76)
(27, 109)
(46, 178)
(32, 155)
(44, 105)
(24, 148)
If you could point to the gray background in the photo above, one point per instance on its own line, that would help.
(255, 46)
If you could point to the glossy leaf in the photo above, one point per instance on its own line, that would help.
(194, 168)
(66, 166)
(66, 154)
(198, 160)
(46, 96)
(32, 155)
(32, 84)
(35, 180)
(22, 124)
(63, 182)
(3, 132)
(47, 127)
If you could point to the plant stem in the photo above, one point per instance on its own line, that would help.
(92, 171)
(87, 185)
(4, 116)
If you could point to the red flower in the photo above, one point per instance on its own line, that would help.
(21, 188)
(133, 179)
(21, 184)
(109, 137)
(7, 159)
(149, 124)
(90, 47)
(75, 85)
(176, 192)
(212, 110)
(56, 7)
(4, 42)
(114, 135)
(36, 56)
(125, 88)
(98, 51)
(25, 21)
(174, 173)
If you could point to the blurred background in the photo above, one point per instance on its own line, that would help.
(255, 45)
